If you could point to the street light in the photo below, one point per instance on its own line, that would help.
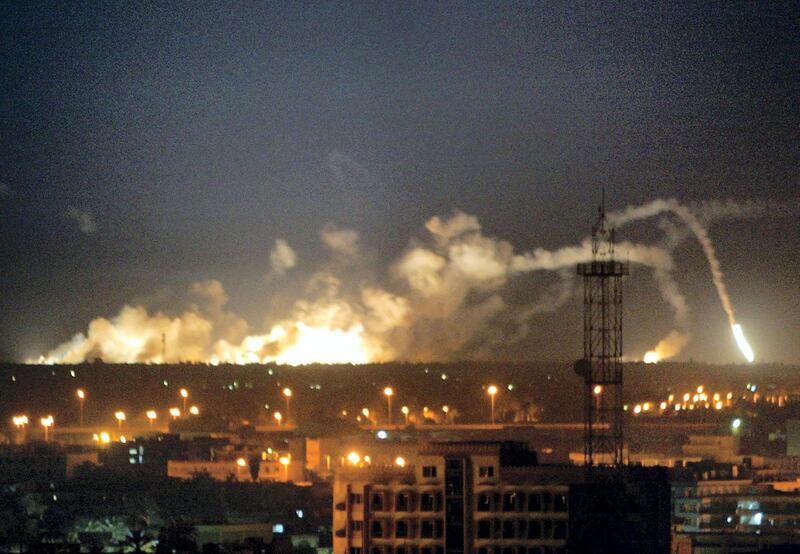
(400, 461)
(185, 395)
(175, 413)
(278, 417)
(151, 417)
(240, 463)
(285, 461)
(194, 410)
(446, 410)
(287, 394)
(20, 421)
(353, 458)
(405, 410)
(81, 394)
(120, 415)
(492, 390)
(389, 392)
(47, 423)
(597, 391)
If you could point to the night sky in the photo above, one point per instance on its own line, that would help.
(146, 147)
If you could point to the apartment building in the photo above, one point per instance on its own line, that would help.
(482, 497)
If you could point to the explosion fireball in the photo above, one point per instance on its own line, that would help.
(447, 303)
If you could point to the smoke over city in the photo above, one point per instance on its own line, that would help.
(442, 298)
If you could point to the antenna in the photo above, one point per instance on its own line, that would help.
(601, 365)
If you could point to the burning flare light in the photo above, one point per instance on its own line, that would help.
(742, 343)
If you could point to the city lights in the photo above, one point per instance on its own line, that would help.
(354, 458)
(151, 417)
(388, 392)
(81, 394)
(405, 412)
(492, 390)
(287, 395)
(47, 422)
(278, 417)
(284, 461)
(400, 461)
(184, 394)
(120, 417)
(194, 410)
(175, 413)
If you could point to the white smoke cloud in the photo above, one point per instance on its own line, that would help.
(83, 218)
(714, 210)
(445, 301)
(282, 258)
(341, 240)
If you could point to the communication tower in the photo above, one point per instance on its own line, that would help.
(601, 366)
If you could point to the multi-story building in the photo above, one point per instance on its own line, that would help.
(473, 497)
(722, 515)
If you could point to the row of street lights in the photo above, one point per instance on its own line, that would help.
(175, 413)
(388, 392)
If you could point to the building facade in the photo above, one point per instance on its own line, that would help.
(460, 497)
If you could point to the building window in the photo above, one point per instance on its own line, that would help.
(560, 503)
(427, 529)
(429, 471)
(356, 526)
(376, 502)
(510, 502)
(486, 471)
(484, 502)
(534, 529)
(377, 550)
(560, 530)
(376, 530)
(508, 550)
(486, 550)
(401, 529)
(508, 529)
(547, 529)
(485, 529)
(402, 502)
(534, 502)
(547, 502)
(356, 498)
(535, 550)
(522, 528)
(355, 550)
(427, 502)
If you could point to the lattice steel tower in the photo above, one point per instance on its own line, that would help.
(601, 366)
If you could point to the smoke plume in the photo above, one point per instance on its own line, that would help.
(282, 258)
(442, 298)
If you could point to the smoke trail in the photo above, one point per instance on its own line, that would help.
(656, 207)
(634, 213)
